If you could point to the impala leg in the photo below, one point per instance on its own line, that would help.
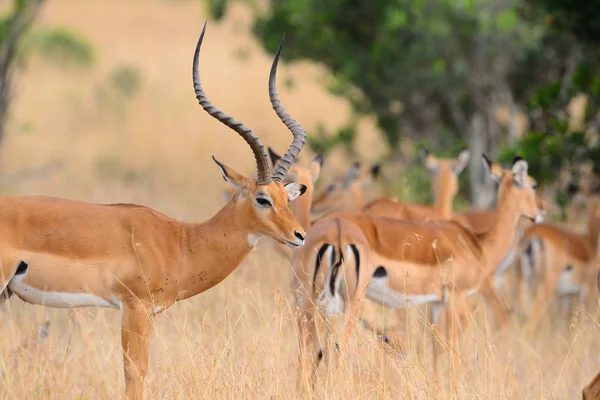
(542, 299)
(434, 319)
(565, 307)
(308, 360)
(135, 335)
(8, 269)
(501, 310)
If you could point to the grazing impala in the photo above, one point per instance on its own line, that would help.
(66, 253)
(401, 263)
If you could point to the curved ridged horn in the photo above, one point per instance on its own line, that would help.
(299, 135)
(260, 154)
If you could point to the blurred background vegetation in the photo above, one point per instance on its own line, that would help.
(502, 77)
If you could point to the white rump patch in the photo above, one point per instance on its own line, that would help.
(330, 305)
(379, 291)
(55, 299)
(505, 264)
(528, 260)
(565, 285)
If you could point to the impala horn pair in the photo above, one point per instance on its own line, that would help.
(265, 176)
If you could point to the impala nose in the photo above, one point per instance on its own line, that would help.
(299, 235)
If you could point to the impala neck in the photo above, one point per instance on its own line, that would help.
(594, 222)
(498, 240)
(443, 205)
(213, 249)
(443, 195)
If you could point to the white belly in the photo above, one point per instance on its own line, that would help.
(55, 299)
(379, 291)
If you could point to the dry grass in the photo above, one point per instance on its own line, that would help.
(237, 340)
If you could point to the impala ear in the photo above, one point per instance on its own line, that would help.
(429, 160)
(370, 175)
(274, 156)
(294, 190)
(496, 172)
(572, 189)
(352, 174)
(315, 167)
(375, 171)
(519, 170)
(230, 175)
(461, 161)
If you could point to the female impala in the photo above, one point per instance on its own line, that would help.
(65, 253)
(445, 187)
(402, 263)
(345, 194)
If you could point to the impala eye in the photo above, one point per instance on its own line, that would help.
(263, 202)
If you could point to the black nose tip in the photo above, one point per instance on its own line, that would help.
(299, 235)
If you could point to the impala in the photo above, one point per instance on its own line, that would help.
(445, 174)
(66, 253)
(401, 263)
(559, 260)
(347, 193)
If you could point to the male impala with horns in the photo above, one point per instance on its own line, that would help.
(66, 253)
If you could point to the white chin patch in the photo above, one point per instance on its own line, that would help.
(539, 218)
(253, 239)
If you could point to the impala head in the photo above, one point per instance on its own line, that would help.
(298, 173)
(346, 194)
(262, 202)
(305, 175)
(516, 188)
(445, 172)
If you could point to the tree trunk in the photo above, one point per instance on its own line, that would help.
(482, 187)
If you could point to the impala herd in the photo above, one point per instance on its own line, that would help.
(65, 253)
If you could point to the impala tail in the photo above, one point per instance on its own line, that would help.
(337, 265)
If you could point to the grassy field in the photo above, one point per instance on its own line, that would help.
(237, 340)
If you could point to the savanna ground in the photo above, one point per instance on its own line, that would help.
(237, 340)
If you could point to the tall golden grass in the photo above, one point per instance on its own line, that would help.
(237, 340)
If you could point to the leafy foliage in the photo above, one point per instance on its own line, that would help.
(436, 71)
(581, 18)
(62, 47)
